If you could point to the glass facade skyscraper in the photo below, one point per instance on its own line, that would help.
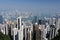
(1, 19)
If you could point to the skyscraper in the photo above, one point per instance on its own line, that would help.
(19, 24)
(1, 19)
(20, 28)
(34, 20)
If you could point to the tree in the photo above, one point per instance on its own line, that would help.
(4, 37)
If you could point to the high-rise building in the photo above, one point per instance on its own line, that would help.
(37, 32)
(52, 29)
(57, 25)
(14, 33)
(6, 29)
(1, 19)
(19, 23)
(12, 26)
(3, 29)
(20, 34)
(41, 22)
(20, 28)
(34, 20)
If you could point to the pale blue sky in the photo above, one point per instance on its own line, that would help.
(36, 6)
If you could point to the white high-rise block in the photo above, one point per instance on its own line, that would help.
(44, 33)
(20, 28)
(48, 28)
(3, 29)
(30, 35)
(14, 32)
(20, 34)
(14, 36)
(54, 19)
(53, 33)
(57, 26)
(12, 27)
(45, 39)
(6, 29)
(58, 23)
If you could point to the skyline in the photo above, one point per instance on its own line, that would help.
(29, 20)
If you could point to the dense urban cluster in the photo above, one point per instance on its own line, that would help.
(25, 29)
(58, 36)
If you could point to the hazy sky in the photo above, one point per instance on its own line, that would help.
(36, 6)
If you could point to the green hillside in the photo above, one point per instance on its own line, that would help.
(4, 37)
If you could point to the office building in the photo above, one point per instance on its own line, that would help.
(20, 34)
(3, 29)
(19, 23)
(28, 30)
(37, 32)
(12, 26)
(1, 19)
(34, 20)
(6, 29)
(14, 33)
(20, 28)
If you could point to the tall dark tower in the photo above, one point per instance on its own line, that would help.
(1, 19)
(34, 33)
(34, 20)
